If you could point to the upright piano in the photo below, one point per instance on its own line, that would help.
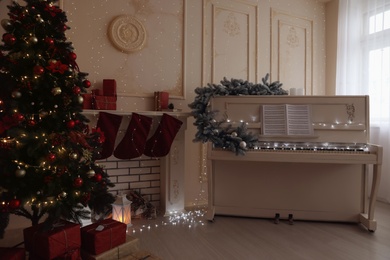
(324, 170)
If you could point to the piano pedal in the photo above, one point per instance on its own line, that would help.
(277, 218)
(291, 219)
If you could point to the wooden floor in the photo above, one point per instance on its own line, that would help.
(247, 238)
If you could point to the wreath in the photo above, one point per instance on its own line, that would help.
(236, 139)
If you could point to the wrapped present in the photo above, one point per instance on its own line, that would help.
(63, 239)
(73, 254)
(129, 247)
(161, 100)
(8, 253)
(87, 103)
(103, 236)
(97, 92)
(104, 103)
(109, 87)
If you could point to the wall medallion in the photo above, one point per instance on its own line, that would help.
(127, 33)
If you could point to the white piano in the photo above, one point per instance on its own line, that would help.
(330, 173)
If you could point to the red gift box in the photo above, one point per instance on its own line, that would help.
(104, 103)
(87, 103)
(109, 87)
(12, 253)
(103, 236)
(61, 240)
(73, 254)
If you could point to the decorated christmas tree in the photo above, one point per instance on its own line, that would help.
(47, 151)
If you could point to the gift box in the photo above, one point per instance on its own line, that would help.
(109, 87)
(103, 236)
(87, 103)
(161, 100)
(73, 254)
(104, 103)
(129, 247)
(17, 253)
(64, 238)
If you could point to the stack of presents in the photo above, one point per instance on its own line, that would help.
(106, 239)
(102, 99)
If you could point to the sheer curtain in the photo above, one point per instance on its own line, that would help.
(363, 68)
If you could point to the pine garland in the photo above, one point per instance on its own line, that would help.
(235, 139)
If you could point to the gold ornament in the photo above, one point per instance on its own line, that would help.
(56, 91)
(90, 173)
(74, 156)
(20, 173)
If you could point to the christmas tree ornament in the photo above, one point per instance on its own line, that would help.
(243, 144)
(56, 91)
(51, 157)
(20, 173)
(78, 182)
(134, 141)
(234, 134)
(109, 125)
(72, 56)
(49, 41)
(70, 124)
(73, 156)
(6, 24)
(98, 177)
(160, 143)
(80, 99)
(9, 39)
(14, 204)
(39, 70)
(33, 40)
(90, 173)
(87, 83)
(16, 94)
(63, 195)
(32, 122)
(76, 90)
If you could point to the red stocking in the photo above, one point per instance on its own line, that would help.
(133, 143)
(160, 143)
(109, 125)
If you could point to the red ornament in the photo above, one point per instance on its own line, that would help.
(78, 182)
(98, 177)
(72, 56)
(51, 157)
(70, 124)
(9, 39)
(87, 83)
(76, 90)
(14, 204)
(38, 70)
(18, 117)
(32, 122)
(49, 40)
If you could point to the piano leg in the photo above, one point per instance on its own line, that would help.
(368, 219)
(291, 219)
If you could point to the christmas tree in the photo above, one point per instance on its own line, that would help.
(47, 151)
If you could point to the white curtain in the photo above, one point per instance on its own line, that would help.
(363, 68)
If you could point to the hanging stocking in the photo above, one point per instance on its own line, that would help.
(133, 143)
(109, 125)
(160, 143)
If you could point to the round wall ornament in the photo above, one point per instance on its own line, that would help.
(127, 33)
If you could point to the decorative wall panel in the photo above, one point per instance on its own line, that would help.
(230, 36)
(292, 51)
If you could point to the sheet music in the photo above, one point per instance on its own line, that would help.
(286, 119)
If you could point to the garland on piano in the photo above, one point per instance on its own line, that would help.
(235, 139)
